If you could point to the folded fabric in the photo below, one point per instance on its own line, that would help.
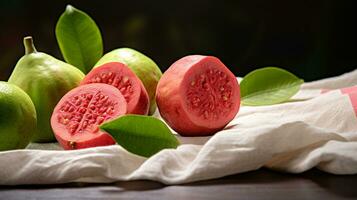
(316, 128)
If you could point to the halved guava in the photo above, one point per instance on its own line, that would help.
(143, 66)
(198, 95)
(76, 118)
(120, 76)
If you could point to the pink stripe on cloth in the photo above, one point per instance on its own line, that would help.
(351, 91)
(346, 90)
(353, 98)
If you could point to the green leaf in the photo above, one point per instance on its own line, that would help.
(141, 135)
(79, 39)
(268, 86)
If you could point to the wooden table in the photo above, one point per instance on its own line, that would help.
(260, 184)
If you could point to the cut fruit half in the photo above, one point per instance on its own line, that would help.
(198, 95)
(76, 118)
(120, 76)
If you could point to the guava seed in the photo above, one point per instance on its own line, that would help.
(208, 93)
(122, 83)
(87, 110)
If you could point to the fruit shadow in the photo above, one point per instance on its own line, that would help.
(200, 140)
(341, 185)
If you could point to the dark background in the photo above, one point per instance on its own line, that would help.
(313, 39)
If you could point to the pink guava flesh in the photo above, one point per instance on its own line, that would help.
(120, 76)
(198, 95)
(76, 118)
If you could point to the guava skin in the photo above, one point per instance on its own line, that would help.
(17, 117)
(145, 68)
(198, 95)
(45, 79)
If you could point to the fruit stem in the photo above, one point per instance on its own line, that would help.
(29, 46)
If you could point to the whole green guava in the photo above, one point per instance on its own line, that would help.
(45, 79)
(17, 117)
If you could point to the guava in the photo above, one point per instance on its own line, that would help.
(198, 95)
(76, 118)
(17, 117)
(120, 76)
(45, 79)
(145, 68)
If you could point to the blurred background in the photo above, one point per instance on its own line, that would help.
(311, 38)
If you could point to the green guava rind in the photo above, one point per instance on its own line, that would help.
(144, 67)
(45, 79)
(17, 117)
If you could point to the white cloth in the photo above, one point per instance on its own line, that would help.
(312, 130)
